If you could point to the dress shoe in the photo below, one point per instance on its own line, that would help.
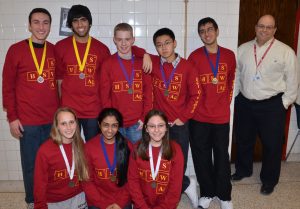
(266, 189)
(237, 177)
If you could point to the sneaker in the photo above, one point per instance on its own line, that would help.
(226, 204)
(191, 191)
(204, 202)
(30, 206)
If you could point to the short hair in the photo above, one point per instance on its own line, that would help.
(39, 10)
(78, 11)
(163, 31)
(206, 20)
(123, 27)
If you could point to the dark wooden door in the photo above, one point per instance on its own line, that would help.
(284, 12)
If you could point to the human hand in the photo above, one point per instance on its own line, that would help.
(147, 63)
(16, 129)
(177, 122)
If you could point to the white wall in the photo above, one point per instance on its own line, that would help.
(145, 15)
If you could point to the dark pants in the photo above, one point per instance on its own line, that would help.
(33, 137)
(180, 134)
(90, 127)
(213, 175)
(267, 119)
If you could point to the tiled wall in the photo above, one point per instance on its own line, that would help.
(145, 15)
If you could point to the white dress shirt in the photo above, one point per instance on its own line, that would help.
(277, 73)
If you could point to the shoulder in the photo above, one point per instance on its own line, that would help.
(196, 52)
(226, 51)
(46, 147)
(93, 142)
(18, 45)
(283, 47)
(99, 43)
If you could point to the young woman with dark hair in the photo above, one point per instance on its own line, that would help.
(107, 155)
(156, 166)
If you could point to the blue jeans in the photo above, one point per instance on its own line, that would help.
(90, 127)
(33, 137)
(131, 133)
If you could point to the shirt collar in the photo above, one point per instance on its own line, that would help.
(265, 44)
(174, 63)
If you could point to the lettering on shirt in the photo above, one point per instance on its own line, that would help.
(60, 175)
(89, 70)
(174, 87)
(222, 78)
(162, 178)
(104, 173)
(137, 86)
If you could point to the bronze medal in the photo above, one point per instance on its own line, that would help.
(113, 178)
(130, 91)
(166, 93)
(153, 184)
(81, 75)
(40, 79)
(214, 80)
(71, 184)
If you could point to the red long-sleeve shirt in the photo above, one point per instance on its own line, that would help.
(167, 193)
(114, 89)
(100, 190)
(80, 94)
(51, 178)
(214, 105)
(184, 89)
(23, 96)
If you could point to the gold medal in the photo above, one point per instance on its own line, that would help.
(130, 91)
(166, 93)
(214, 80)
(153, 184)
(71, 184)
(40, 79)
(113, 178)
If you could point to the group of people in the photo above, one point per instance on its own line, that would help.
(139, 112)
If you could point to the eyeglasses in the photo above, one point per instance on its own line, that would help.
(158, 126)
(265, 27)
(208, 30)
(165, 44)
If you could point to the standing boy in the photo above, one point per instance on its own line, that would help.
(176, 92)
(209, 127)
(28, 75)
(79, 59)
(123, 84)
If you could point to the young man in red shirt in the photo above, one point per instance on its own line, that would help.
(124, 86)
(28, 75)
(176, 92)
(79, 59)
(209, 127)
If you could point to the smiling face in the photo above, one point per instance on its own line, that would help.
(39, 27)
(265, 29)
(208, 34)
(123, 41)
(66, 125)
(81, 28)
(157, 128)
(109, 127)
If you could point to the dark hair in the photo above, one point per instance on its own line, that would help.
(39, 10)
(206, 20)
(121, 145)
(163, 31)
(78, 11)
(167, 151)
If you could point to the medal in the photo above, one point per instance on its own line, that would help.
(166, 93)
(153, 184)
(128, 79)
(214, 80)
(113, 178)
(71, 184)
(130, 91)
(81, 75)
(40, 79)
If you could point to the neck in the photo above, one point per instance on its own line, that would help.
(125, 56)
(37, 41)
(213, 48)
(67, 140)
(109, 141)
(155, 143)
(261, 42)
(81, 39)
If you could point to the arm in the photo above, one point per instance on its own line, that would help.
(231, 76)
(147, 95)
(59, 87)
(140, 52)
(122, 197)
(105, 86)
(134, 184)
(40, 180)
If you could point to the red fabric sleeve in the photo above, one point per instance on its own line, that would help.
(9, 85)
(134, 184)
(59, 67)
(105, 84)
(194, 92)
(40, 181)
(231, 75)
(138, 52)
(148, 94)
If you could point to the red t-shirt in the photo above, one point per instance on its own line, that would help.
(82, 95)
(114, 89)
(23, 96)
(51, 178)
(100, 190)
(214, 105)
(169, 180)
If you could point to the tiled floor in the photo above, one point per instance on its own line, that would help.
(245, 194)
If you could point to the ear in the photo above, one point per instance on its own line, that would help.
(114, 41)
(175, 44)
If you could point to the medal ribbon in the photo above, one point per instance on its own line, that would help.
(87, 49)
(264, 55)
(154, 172)
(214, 69)
(129, 80)
(167, 82)
(70, 171)
(38, 67)
(113, 166)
